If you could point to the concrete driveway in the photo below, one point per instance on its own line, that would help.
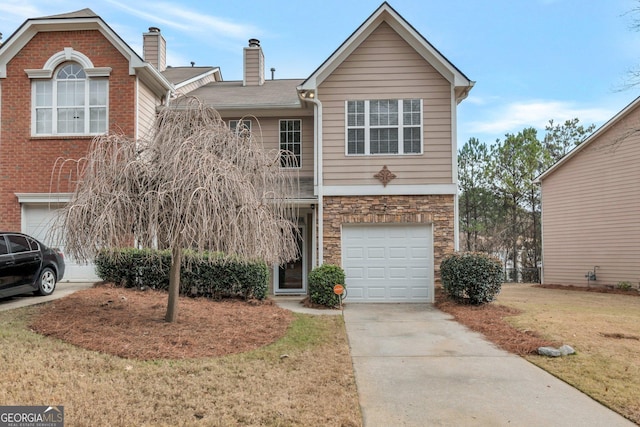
(415, 366)
(62, 289)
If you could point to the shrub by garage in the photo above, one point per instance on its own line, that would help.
(322, 279)
(471, 278)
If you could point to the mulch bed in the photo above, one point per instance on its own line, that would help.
(130, 323)
(598, 289)
(489, 320)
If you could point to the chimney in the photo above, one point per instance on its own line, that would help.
(154, 48)
(253, 64)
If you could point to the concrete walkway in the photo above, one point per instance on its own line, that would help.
(415, 366)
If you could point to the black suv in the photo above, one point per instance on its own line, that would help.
(27, 265)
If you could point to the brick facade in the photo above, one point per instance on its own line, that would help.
(437, 210)
(27, 163)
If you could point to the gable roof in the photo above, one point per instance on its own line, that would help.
(82, 13)
(591, 138)
(84, 19)
(385, 13)
(181, 76)
(234, 95)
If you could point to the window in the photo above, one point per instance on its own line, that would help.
(70, 103)
(291, 143)
(384, 126)
(18, 244)
(4, 250)
(240, 125)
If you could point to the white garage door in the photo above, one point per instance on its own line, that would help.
(388, 263)
(37, 222)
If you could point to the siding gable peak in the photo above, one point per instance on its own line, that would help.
(385, 13)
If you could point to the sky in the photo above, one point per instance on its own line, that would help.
(532, 60)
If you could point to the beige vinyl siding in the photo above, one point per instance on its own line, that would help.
(384, 66)
(268, 128)
(155, 50)
(147, 103)
(591, 211)
(151, 49)
(253, 66)
(162, 62)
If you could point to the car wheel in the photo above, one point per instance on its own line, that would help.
(46, 282)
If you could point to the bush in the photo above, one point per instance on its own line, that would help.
(208, 274)
(624, 285)
(471, 278)
(321, 282)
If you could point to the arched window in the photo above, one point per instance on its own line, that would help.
(70, 103)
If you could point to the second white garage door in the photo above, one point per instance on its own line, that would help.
(388, 263)
(38, 219)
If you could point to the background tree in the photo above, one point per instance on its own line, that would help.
(633, 75)
(195, 184)
(475, 198)
(500, 206)
(562, 138)
(512, 170)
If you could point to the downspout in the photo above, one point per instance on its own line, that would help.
(317, 175)
(541, 278)
(454, 167)
(137, 110)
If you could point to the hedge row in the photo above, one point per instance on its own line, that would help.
(211, 275)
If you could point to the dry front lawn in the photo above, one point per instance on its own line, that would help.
(280, 368)
(604, 329)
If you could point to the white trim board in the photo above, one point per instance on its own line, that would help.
(390, 190)
(43, 197)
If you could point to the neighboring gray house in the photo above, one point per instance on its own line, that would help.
(591, 207)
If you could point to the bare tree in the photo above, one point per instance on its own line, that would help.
(194, 184)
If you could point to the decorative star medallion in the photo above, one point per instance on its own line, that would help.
(384, 175)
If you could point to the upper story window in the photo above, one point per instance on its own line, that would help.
(384, 126)
(69, 96)
(291, 143)
(70, 103)
(240, 126)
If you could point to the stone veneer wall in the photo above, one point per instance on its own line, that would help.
(428, 209)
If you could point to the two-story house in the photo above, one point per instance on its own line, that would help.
(373, 130)
(63, 80)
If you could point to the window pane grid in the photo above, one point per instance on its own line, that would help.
(70, 120)
(387, 123)
(384, 141)
(44, 93)
(74, 103)
(291, 143)
(240, 125)
(411, 140)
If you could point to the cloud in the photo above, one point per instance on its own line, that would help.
(515, 116)
(176, 15)
(14, 12)
(18, 9)
(475, 100)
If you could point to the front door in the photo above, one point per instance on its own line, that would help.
(291, 278)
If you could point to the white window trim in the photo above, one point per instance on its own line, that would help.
(367, 127)
(68, 54)
(280, 142)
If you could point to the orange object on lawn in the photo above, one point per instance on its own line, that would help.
(338, 289)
